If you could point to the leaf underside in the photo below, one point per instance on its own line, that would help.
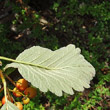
(9, 106)
(62, 70)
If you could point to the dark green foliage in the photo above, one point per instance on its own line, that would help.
(84, 23)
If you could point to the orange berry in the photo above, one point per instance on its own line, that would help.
(10, 99)
(22, 84)
(19, 105)
(16, 92)
(31, 92)
(26, 100)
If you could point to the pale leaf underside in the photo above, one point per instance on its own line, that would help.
(9, 106)
(62, 70)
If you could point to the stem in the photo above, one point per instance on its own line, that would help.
(7, 59)
(4, 84)
(10, 80)
(9, 96)
(0, 63)
(26, 63)
(17, 92)
(1, 89)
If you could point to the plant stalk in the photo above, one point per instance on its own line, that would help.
(4, 84)
(26, 63)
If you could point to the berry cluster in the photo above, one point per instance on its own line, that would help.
(22, 90)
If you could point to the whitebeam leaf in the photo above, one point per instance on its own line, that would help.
(62, 70)
(9, 106)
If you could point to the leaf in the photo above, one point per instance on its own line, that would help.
(9, 71)
(62, 70)
(9, 106)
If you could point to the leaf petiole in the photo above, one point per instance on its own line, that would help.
(4, 84)
(26, 63)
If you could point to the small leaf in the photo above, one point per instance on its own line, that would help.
(62, 70)
(9, 106)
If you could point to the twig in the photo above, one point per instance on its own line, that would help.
(4, 84)
(10, 80)
(17, 92)
(1, 89)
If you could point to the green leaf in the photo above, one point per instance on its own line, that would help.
(9, 106)
(62, 70)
